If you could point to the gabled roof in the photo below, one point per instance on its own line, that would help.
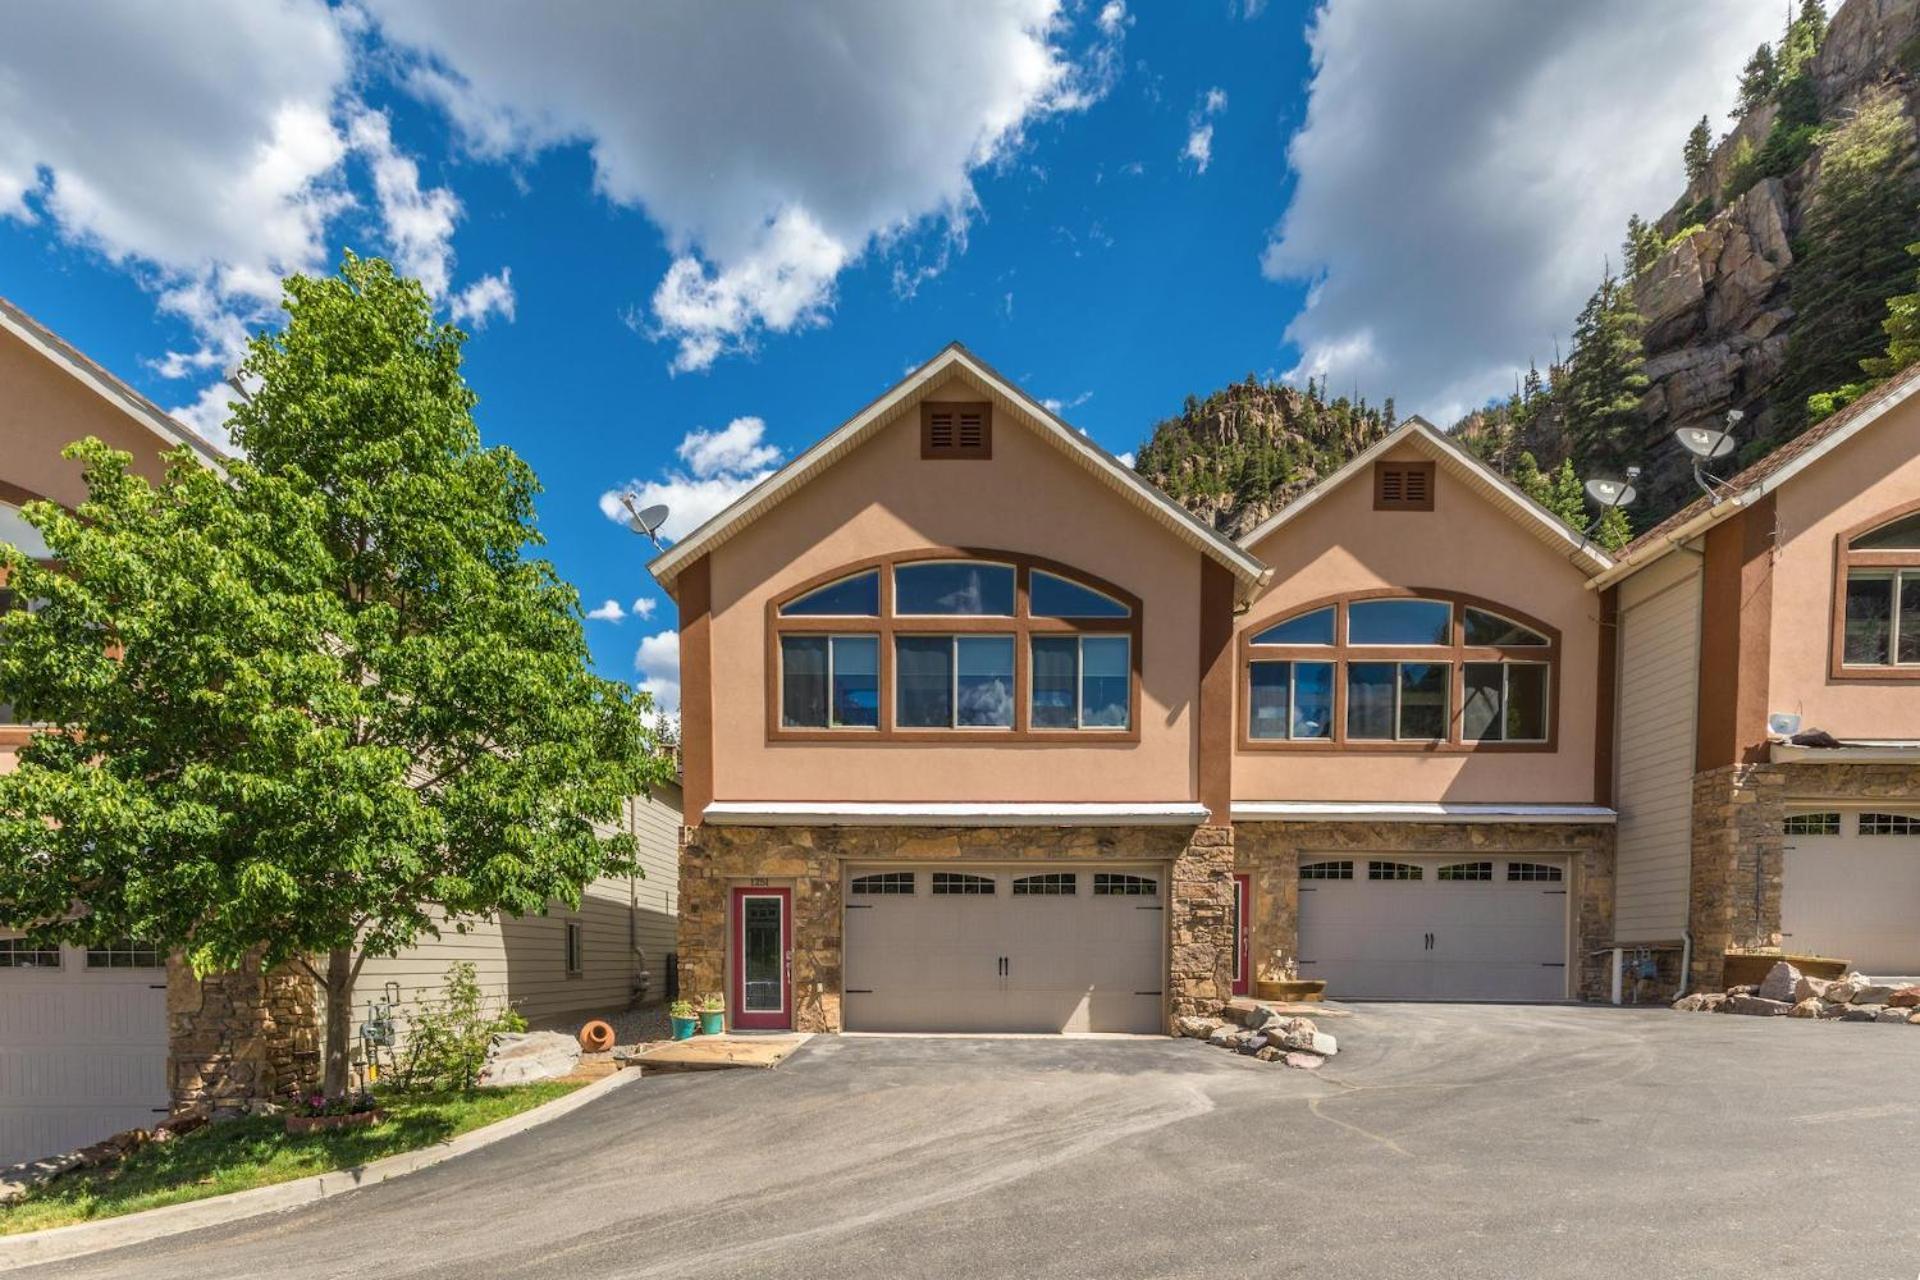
(953, 361)
(1763, 477)
(1463, 466)
(102, 383)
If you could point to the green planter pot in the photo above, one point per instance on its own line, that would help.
(713, 1023)
(683, 1028)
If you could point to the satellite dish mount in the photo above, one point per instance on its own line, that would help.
(1609, 494)
(645, 521)
(1709, 446)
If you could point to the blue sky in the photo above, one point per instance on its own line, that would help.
(690, 240)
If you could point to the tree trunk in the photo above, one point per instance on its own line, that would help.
(339, 987)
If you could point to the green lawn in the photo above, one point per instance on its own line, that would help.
(243, 1154)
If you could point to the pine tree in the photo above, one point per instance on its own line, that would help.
(1698, 153)
(1758, 80)
(1615, 530)
(1604, 381)
(1642, 247)
(1804, 36)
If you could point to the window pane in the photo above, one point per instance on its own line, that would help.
(1908, 645)
(1869, 632)
(923, 672)
(858, 596)
(856, 680)
(986, 680)
(1056, 677)
(803, 682)
(1267, 700)
(1103, 693)
(1423, 700)
(963, 588)
(1480, 718)
(1527, 701)
(1399, 622)
(1490, 628)
(1307, 628)
(1051, 596)
(1313, 699)
(1370, 699)
(1901, 535)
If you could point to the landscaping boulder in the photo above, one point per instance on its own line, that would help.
(1759, 1006)
(1890, 1014)
(1248, 1013)
(1226, 1036)
(1306, 1061)
(1862, 1013)
(526, 1056)
(1325, 1045)
(1811, 988)
(1700, 1002)
(1905, 998)
(1781, 983)
(1293, 1033)
(1832, 1012)
(1913, 1018)
(1808, 1008)
(1198, 1028)
(1745, 989)
(1873, 993)
(1269, 1053)
(1841, 990)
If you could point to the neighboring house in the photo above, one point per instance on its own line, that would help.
(1792, 595)
(93, 1040)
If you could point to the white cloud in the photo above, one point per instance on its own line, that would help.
(608, 612)
(207, 415)
(720, 466)
(1126, 459)
(1199, 149)
(1114, 19)
(643, 607)
(658, 662)
(486, 297)
(1056, 407)
(693, 113)
(419, 223)
(1502, 194)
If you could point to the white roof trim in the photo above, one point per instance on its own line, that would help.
(57, 351)
(1852, 753)
(1545, 522)
(757, 501)
(861, 813)
(1719, 511)
(1409, 811)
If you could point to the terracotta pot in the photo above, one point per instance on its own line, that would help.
(1297, 989)
(324, 1124)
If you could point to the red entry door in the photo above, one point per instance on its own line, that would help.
(762, 995)
(1242, 934)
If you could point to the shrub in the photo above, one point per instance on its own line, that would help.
(447, 1038)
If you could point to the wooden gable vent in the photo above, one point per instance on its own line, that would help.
(1403, 486)
(959, 431)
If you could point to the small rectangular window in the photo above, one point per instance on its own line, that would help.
(575, 944)
(1052, 884)
(1504, 702)
(883, 882)
(1465, 871)
(1404, 701)
(1112, 884)
(124, 954)
(1813, 824)
(1403, 486)
(946, 682)
(1290, 700)
(1533, 871)
(829, 682)
(1889, 824)
(1395, 871)
(959, 882)
(18, 953)
(1081, 682)
(1342, 870)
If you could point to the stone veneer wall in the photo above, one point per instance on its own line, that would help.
(1739, 819)
(713, 859)
(1270, 853)
(241, 1037)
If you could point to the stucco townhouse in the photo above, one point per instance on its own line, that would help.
(98, 1039)
(983, 732)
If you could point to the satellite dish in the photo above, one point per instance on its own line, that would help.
(1611, 493)
(1705, 443)
(645, 521)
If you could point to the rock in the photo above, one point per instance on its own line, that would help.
(1759, 1006)
(1269, 1054)
(1325, 1045)
(1889, 1014)
(1811, 988)
(1224, 1035)
(1305, 1061)
(527, 1056)
(1862, 1013)
(1840, 990)
(1198, 1028)
(1808, 1008)
(1830, 1012)
(1248, 1013)
(1913, 1019)
(179, 1125)
(1905, 998)
(1294, 1033)
(1873, 993)
(1746, 990)
(1713, 1002)
(1690, 1004)
(1781, 983)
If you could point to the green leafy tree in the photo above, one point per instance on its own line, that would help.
(1805, 34)
(1615, 529)
(1604, 382)
(1902, 327)
(1698, 151)
(309, 709)
(1758, 80)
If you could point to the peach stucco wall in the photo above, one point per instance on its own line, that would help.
(1876, 471)
(1465, 544)
(883, 498)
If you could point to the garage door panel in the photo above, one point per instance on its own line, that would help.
(1854, 897)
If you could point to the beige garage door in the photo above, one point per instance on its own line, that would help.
(1850, 888)
(1396, 927)
(1036, 947)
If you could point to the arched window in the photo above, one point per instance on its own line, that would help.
(1393, 671)
(1877, 609)
(962, 646)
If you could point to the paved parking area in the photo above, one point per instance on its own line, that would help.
(1443, 1141)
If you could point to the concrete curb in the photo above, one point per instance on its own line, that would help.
(57, 1243)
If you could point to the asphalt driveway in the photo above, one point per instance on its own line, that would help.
(1443, 1141)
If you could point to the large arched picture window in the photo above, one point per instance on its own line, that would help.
(1419, 670)
(1876, 611)
(954, 646)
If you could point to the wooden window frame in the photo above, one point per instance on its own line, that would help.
(1457, 654)
(1022, 626)
(955, 452)
(1381, 470)
(1845, 560)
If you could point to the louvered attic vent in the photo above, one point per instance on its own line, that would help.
(1403, 486)
(956, 431)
